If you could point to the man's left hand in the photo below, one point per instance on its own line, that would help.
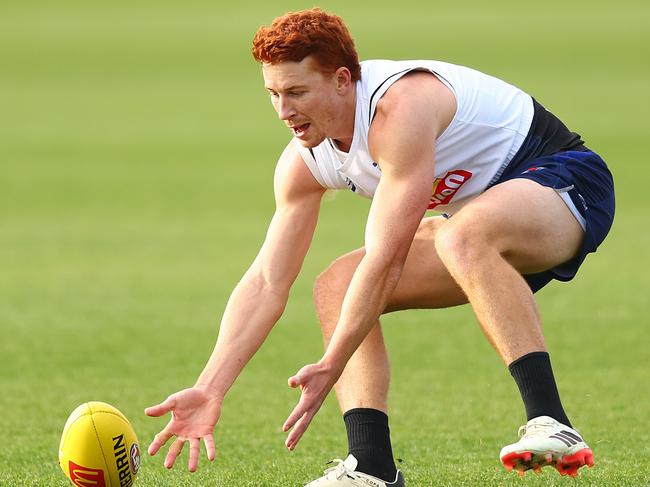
(315, 382)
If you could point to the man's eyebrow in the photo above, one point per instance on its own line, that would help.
(289, 88)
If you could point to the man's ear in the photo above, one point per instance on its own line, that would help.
(343, 79)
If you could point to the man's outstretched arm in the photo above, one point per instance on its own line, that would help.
(255, 305)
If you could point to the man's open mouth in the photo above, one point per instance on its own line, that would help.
(299, 130)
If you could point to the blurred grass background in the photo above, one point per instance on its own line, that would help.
(137, 146)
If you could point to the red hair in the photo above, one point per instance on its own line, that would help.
(313, 32)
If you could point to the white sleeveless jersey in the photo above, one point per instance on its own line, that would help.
(492, 120)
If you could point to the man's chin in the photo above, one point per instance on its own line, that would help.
(309, 143)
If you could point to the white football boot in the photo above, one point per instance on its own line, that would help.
(544, 441)
(344, 474)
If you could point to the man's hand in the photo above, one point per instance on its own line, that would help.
(194, 416)
(315, 382)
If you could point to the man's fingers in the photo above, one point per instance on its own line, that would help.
(300, 377)
(298, 430)
(174, 451)
(293, 381)
(195, 449)
(177, 447)
(209, 446)
(295, 415)
(306, 409)
(299, 420)
(159, 440)
(160, 409)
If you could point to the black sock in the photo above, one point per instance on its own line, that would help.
(369, 442)
(534, 377)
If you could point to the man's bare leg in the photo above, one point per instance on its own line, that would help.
(362, 390)
(518, 226)
(425, 283)
(365, 380)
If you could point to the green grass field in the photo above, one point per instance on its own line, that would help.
(137, 147)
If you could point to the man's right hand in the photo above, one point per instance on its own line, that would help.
(194, 415)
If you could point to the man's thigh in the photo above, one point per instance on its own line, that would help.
(424, 282)
(530, 225)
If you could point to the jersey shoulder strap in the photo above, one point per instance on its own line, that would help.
(321, 162)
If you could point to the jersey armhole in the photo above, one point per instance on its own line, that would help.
(384, 86)
(309, 158)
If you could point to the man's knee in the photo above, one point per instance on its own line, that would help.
(460, 244)
(330, 288)
(322, 292)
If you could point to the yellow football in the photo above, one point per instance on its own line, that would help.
(99, 447)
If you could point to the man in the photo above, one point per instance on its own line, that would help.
(524, 201)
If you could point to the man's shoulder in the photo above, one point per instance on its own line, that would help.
(293, 177)
(417, 97)
(382, 79)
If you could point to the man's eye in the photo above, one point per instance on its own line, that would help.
(296, 93)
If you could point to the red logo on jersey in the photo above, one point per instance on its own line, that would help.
(446, 187)
(86, 477)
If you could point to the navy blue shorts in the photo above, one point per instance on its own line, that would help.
(582, 179)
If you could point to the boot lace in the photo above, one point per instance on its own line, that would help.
(339, 471)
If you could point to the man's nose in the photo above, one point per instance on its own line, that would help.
(285, 109)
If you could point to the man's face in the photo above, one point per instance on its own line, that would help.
(306, 100)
